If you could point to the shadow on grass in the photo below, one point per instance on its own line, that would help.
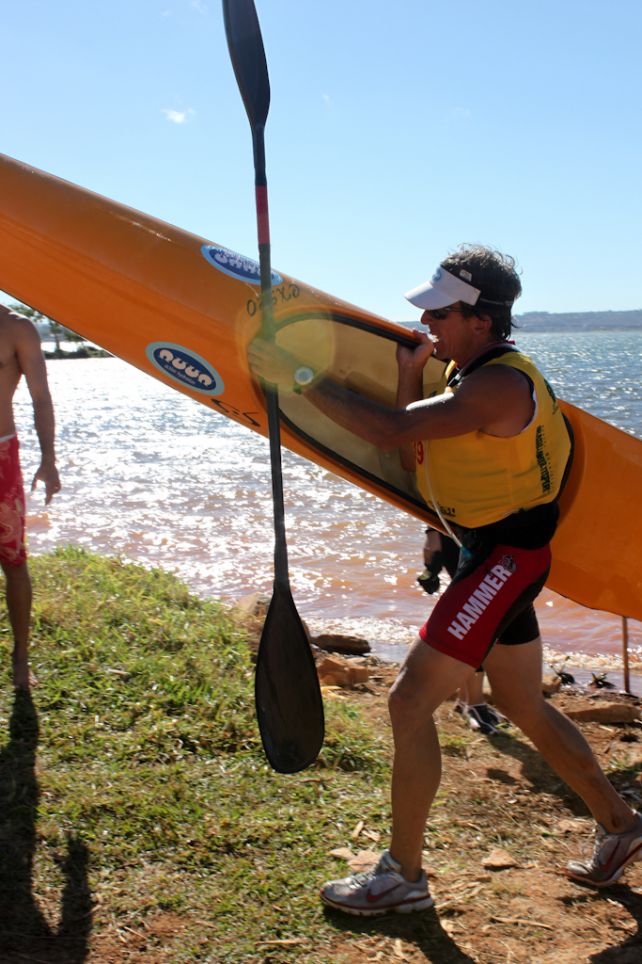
(423, 929)
(25, 933)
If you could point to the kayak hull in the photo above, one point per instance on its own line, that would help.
(184, 309)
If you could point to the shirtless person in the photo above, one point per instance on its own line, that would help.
(21, 354)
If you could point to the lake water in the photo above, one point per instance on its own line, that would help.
(154, 477)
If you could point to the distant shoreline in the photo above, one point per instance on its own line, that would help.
(560, 322)
(532, 322)
(580, 320)
(529, 321)
(83, 351)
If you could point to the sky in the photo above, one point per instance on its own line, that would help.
(397, 130)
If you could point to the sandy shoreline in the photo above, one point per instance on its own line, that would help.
(582, 666)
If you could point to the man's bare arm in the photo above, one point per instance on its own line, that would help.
(32, 365)
(493, 400)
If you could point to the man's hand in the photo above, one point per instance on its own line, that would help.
(414, 359)
(47, 473)
(272, 364)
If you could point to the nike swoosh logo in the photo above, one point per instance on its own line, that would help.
(607, 866)
(375, 898)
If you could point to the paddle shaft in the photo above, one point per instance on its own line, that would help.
(625, 654)
(245, 44)
(281, 575)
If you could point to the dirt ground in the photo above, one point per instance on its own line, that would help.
(496, 873)
(502, 830)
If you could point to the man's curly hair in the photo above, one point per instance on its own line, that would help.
(496, 276)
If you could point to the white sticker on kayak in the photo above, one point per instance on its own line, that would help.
(236, 265)
(185, 367)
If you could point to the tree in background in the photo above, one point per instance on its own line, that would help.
(58, 332)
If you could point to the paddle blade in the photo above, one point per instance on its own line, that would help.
(248, 58)
(289, 707)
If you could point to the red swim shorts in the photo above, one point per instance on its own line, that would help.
(484, 600)
(13, 551)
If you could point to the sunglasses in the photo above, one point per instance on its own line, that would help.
(438, 314)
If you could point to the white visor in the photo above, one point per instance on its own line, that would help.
(442, 290)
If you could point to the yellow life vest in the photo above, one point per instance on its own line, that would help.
(477, 479)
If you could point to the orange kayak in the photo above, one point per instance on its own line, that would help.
(183, 309)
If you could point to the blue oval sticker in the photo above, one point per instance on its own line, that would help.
(185, 367)
(236, 265)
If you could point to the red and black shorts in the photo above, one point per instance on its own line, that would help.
(490, 599)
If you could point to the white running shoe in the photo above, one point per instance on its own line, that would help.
(612, 853)
(379, 891)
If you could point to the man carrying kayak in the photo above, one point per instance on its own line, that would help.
(490, 452)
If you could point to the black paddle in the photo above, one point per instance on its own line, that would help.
(289, 707)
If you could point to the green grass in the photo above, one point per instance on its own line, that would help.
(133, 785)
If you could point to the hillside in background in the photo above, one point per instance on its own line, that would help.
(579, 321)
(572, 321)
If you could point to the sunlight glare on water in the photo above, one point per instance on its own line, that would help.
(152, 476)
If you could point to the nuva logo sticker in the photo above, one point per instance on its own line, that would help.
(185, 367)
(236, 265)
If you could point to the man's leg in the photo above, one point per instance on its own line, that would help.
(481, 717)
(18, 595)
(398, 882)
(515, 674)
(427, 678)
(473, 692)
